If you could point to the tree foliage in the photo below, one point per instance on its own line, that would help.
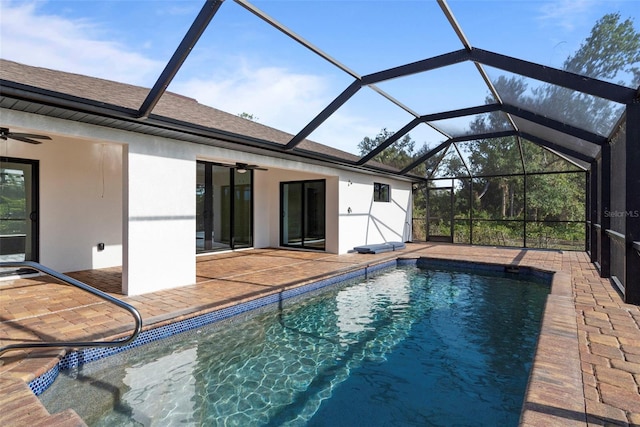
(248, 116)
(612, 48)
(612, 53)
(397, 155)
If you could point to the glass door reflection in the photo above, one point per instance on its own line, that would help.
(224, 208)
(18, 210)
(302, 205)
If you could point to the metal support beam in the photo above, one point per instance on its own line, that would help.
(324, 114)
(289, 33)
(569, 152)
(604, 206)
(454, 24)
(480, 109)
(487, 108)
(632, 203)
(395, 101)
(595, 87)
(464, 163)
(417, 67)
(448, 142)
(587, 202)
(190, 39)
(467, 45)
(425, 156)
(592, 206)
(488, 135)
(385, 144)
(554, 124)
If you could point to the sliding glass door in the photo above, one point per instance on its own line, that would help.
(224, 208)
(18, 210)
(302, 206)
(242, 208)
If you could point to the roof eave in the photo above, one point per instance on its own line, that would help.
(122, 117)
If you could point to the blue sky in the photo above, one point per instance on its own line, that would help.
(241, 64)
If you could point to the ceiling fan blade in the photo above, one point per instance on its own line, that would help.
(255, 167)
(24, 139)
(241, 166)
(19, 136)
(28, 135)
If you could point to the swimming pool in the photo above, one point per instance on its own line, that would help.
(409, 346)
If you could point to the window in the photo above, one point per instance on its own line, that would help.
(381, 192)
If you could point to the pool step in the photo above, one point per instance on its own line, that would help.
(22, 407)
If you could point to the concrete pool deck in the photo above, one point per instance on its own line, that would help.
(586, 369)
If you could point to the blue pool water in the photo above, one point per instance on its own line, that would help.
(409, 347)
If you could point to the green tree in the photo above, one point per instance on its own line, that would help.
(611, 52)
(248, 116)
(397, 155)
(612, 48)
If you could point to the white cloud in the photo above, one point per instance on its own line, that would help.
(32, 37)
(281, 99)
(345, 131)
(567, 14)
(278, 97)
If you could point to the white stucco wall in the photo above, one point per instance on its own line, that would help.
(81, 201)
(369, 222)
(80, 198)
(136, 193)
(160, 208)
(363, 221)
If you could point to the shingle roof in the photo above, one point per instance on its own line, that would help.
(171, 105)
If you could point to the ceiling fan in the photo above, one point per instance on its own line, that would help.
(24, 137)
(242, 167)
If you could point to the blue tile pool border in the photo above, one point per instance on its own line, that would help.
(80, 357)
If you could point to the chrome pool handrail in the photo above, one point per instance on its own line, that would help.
(73, 282)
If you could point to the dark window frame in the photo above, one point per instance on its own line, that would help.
(34, 215)
(303, 244)
(231, 220)
(381, 192)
